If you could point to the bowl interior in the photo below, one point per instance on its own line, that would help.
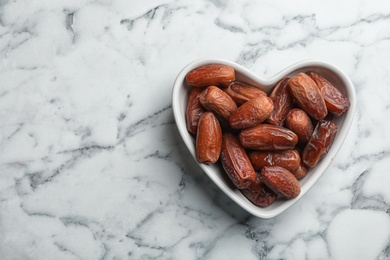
(180, 95)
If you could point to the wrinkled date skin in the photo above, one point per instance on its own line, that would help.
(288, 159)
(307, 95)
(251, 113)
(299, 122)
(335, 101)
(194, 110)
(281, 181)
(212, 74)
(215, 100)
(300, 172)
(283, 102)
(208, 139)
(236, 163)
(268, 137)
(259, 193)
(319, 143)
(241, 92)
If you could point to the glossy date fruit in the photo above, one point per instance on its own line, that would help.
(283, 102)
(243, 130)
(281, 181)
(288, 159)
(215, 100)
(307, 95)
(251, 113)
(299, 122)
(208, 139)
(335, 101)
(236, 163)
(241, 92)
(212, 74)
(319, 143)
(300, 172)
(268, 137)
(194, 110)
(259, 193)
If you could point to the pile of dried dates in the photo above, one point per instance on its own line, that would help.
(265, 144)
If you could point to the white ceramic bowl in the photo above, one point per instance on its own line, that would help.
(216, 173)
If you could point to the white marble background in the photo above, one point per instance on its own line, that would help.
(92, 167)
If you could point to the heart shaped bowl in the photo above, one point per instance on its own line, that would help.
(180, 96)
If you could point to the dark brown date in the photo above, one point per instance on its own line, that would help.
(307, 95)
(208, 139)
(211, 74)
(281, 181)
(319, 143)
(268, 137)
(288, 159)
(194, 110)
(251, 113)
(300, 172)
(259, 193)
(217, 101)
(299, 122)
(236, 163)
(283, 102)
(335, 101)
(241, 92)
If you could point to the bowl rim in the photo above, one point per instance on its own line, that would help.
(267, 83)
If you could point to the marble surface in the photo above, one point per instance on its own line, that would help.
(92, 166)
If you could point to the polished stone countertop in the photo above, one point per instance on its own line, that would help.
(92, 165)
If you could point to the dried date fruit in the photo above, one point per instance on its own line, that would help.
(281, 181)
(319, 143)
(288, 159)
(300, 172)
(283, 102)
(208, 139)
(230, 120)
(215, 100)
(268, 137)
(259, 193)
(251, 113)
(236, 163)
(299, 122)
(335, 101)
(241, 92)
(194, 110)
(211, 74)
(307, 95)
